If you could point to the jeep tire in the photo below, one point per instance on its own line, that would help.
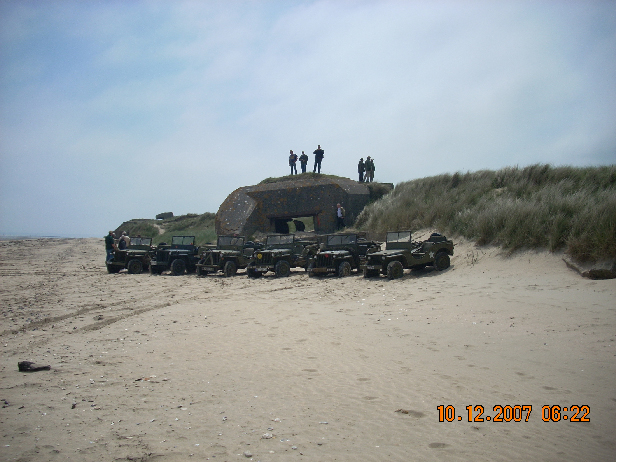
(395, 270)
(178, 267)
(344, 269)
(112, 268)
(135, 266)
(230, 268)
(309, 269)
(252, 273)
(370, 273)
(442, 261)
(282, 269)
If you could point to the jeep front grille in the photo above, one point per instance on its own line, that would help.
(263, 258)
(324, 260)
(215, 258)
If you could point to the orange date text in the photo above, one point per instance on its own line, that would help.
(516, 413)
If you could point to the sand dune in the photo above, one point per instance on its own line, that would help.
(163, 368)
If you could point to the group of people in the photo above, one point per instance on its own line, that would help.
(293, 159)
(111, 246)
(366, 170)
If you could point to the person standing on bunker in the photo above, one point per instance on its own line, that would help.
(371, 172)
(318, 158)
(292, 162)
(303, 162)
(361, 167)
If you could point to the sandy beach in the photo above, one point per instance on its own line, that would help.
(164, 368)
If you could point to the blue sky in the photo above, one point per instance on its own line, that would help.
(113, 110)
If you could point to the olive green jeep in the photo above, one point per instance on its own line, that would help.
(403, 253)
(280, 254)
(230, 254)
(340, 254)
(180, 256)
(135, 258)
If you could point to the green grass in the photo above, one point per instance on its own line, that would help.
(557, 208)
(288, 178)
(199, 225)
(140, 227)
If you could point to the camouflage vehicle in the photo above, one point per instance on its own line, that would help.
(401, 253)
(180, 256)
(135, 258)
(280, 254)
(230, 254)
(341, 254)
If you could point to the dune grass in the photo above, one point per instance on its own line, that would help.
(199, 225)
(161, 231)
(539, 206)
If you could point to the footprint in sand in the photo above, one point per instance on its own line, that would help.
(437, 445)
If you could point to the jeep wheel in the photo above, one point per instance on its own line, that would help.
(442, 261)
(344, 269)
(370, 273)
(154, 270)
(112, 268)
(252, 273)
(395, 270)
(282, 269)
(201, 272)
(178, 267)
(310, 268)
(135, 266)
(230, 268)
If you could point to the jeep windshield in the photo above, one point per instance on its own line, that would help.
(186, 240)
(230, 241)
(279, 239)
(399, 237)
(334, 240)
(141, 241)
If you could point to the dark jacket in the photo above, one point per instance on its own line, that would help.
(109, 242)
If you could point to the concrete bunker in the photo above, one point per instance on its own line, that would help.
(289, 205)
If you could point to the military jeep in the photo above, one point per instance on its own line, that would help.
(280, 254)
(135, 258)
(230, 254)
(180, 256)
(402, 252)
(341, 254)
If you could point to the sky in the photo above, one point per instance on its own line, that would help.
(114, 110)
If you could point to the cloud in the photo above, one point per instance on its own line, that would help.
(129, 109)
